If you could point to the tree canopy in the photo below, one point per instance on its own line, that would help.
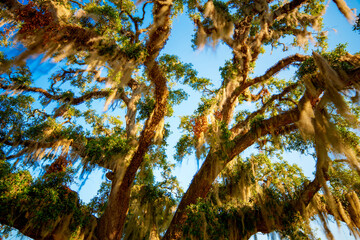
(108, 104)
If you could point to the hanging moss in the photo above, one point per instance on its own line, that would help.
(46, 204)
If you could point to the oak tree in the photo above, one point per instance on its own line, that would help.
(107, 107)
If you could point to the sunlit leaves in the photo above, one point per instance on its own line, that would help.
(247, 190)
(42, 201)
(343, 180)
(183, 72)
(357, 24)
(308, 66)
(101, 149)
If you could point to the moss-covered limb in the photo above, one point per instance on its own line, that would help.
(276, 68)
(279, 66)
(241, 125)
(57, 35)
(262, 128)
(215, 163)
(286, 8)
(62, 98)
(113, 219)
(43, 208)
(266, 214)
(33, 149)
(256, 195)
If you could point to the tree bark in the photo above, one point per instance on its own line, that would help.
(113, 220)
(215, 163)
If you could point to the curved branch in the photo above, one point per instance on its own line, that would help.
(73, 101)
(112, 221)
(216, 161)
(280, 65)
(30, 89)
(285, 9)
(76, 2)
(229, 105)
(245, 124)
(143, 10)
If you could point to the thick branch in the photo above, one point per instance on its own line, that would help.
(113, 220)
(215, 163)
(274, 218)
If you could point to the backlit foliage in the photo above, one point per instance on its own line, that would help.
(106, 105)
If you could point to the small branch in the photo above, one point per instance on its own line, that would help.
(143, 10)
(245, 124)
(280, 65)
(76, 2)
(73, 101)
(285, 9)
(88, 96)
(30, 89)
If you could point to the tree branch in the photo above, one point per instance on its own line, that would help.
(76, 2)
(70, 100)
(280, 65)
(113, 219)
(245, 124)
(285, 9)
(228, 106)
(18, 212)
(217, 160)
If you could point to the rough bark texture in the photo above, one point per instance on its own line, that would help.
(204, 178)
(213, 165)
(113, 220)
